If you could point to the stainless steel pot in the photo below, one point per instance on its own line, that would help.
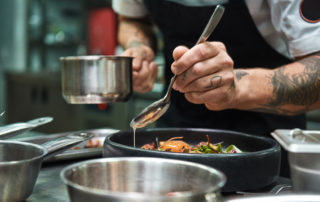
(138, 179)
(304, 157)
(96, 79)
(20, 163)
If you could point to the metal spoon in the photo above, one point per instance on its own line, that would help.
(158, 108)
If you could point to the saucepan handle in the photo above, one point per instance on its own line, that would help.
(63, 143)
(14, 129)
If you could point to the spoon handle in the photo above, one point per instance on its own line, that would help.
(158, 108)
(168, 94)
(212, 23)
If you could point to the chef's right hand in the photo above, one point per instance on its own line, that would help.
(144, 68)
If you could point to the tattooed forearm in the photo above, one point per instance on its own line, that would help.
(300, 89)
(240, 74)
(135, 32)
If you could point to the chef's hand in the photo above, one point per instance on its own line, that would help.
(205, 75)
(144, 69)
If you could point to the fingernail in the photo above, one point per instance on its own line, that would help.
(174, 69)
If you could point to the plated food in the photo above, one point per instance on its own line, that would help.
(175, 144)
(92, 143)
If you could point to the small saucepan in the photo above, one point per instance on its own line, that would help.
(96, 79)
(139, 179)
(20, 163)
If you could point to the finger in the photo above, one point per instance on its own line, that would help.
(176, 54)
(196, 54)
(210, 82)
(137, 64)
(221, 64)
(142, 82)
(136, 61)
(179, 51)
(217, 96)
(204, 84)
(196, 71)
(139, 54)
(142, 74)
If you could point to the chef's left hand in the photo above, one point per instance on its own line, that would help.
(205, 75)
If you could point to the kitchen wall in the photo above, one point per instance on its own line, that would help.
(12, 41)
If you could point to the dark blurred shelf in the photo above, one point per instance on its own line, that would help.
(55, 29)
(68, 44)
(57, 44)
(98, 3)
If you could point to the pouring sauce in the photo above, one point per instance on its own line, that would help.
(142, 121)
(134, 136)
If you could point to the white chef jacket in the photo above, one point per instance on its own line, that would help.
(279, 22)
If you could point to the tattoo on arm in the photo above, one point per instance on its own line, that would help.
(240, 74)
(298, 89)
(142, 30)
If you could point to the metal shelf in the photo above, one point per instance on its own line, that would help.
(54, 25)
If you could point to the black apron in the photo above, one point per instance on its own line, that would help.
(182, 25)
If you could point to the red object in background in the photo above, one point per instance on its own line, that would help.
(103, 106)
(102, 31)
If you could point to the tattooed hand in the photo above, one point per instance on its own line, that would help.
(144, 68)
(205, 75)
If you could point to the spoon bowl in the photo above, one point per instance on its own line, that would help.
(154, 111)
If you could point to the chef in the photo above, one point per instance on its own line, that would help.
(259, 70)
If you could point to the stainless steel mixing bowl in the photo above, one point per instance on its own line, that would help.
(96, 79)
(139, 179)
(20, 164)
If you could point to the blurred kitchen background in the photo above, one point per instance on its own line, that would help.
(34, 34)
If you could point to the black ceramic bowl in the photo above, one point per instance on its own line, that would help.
(257, 167)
